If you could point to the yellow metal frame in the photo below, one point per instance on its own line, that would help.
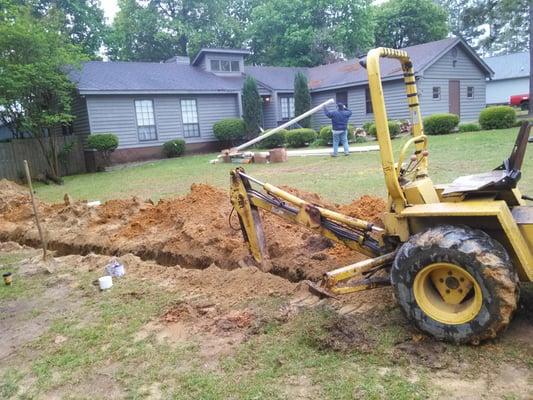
(498, 210)
(390, 168)
(410, 200)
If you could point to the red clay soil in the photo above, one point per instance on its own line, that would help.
(192, 231)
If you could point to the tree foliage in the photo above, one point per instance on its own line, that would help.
(491, 26)
(302, 98)
(159, 29)
(309, 32)
(251, 107)
(401, 23)
(138, 34)
(35, 92)
(81, 20)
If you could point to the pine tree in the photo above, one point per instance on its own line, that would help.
(251, 107)
(302, 98)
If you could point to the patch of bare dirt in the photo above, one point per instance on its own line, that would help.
(344, 333)
(192, 231)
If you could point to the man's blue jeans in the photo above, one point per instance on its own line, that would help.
(340, 137)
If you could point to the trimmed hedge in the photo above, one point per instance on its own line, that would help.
(469, 127)
(394, 129)
(229, 130)
(300, 137)
(325, 134)
(105, 142)
(440, 124)
(367, 126)
(174, 148)
(497, 117)
(276, 140)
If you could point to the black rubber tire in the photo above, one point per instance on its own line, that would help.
(524, 105)
(477, 253)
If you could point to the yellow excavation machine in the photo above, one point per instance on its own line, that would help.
(454, 253)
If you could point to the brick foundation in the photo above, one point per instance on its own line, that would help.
(122, 156)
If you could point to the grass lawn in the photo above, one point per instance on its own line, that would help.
(68, 340)
(340, 180)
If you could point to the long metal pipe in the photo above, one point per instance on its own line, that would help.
(283, 126)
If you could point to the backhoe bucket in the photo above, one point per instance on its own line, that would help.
(249, 219)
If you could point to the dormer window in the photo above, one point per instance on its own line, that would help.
(225, 66)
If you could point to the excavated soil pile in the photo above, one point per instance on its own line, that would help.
(192, 231)
(12, 196)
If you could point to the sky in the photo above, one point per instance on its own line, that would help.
(110, 9)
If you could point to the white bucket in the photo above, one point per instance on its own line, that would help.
(105, 282)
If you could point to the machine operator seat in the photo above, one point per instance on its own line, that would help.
(505, 177)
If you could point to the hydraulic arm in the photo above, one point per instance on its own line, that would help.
(359, 235)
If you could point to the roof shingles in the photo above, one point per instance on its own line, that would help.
(174, 77)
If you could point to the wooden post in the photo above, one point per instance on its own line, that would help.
(41, 235)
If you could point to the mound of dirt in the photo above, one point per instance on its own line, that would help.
(12, 195)
(192, 231)
(366, 207)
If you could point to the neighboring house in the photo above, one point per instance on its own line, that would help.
(146, 104)
(511, 76)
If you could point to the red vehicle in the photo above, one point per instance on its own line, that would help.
(520, 100)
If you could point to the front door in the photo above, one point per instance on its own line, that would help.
(454, 102)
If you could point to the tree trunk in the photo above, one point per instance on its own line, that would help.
(50, 157)
(530, 58)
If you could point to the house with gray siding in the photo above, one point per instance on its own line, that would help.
(511, 77)
(147, 104)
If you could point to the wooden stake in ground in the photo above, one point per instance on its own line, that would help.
(41, 235)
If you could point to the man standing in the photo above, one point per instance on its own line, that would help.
(339, 125)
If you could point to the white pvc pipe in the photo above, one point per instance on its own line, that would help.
(283, 126)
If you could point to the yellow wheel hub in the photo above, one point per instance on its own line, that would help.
(447, 293)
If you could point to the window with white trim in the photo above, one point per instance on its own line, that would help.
(470, 92)
(146, 129)
(436, 92)
(189, 118)
(287, 107)
(225, 65)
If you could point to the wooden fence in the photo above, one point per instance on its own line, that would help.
(13, 154)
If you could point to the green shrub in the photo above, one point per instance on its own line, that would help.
(469, 127)
(276, 140)
(440, 124)
(394, 129)
(105, 144)
(229, 130)
(300, 137)
(367, 126)
(325, 135)
(351, 132)
(174, 148)
(497, 117)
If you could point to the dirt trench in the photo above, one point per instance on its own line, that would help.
(192, 231)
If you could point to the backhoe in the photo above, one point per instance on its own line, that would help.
(454, 253)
